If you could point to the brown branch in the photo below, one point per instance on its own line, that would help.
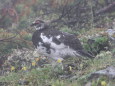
(7, 38)
(109, 8)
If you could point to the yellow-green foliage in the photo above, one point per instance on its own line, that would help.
(95, 40)
(98, 44)
(101, 1)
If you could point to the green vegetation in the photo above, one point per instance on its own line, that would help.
(45, 76)
(95, 45)
(22, 40)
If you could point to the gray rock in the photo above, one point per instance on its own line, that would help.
(109, 72)
(111, 32)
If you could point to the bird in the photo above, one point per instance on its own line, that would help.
(56, 44)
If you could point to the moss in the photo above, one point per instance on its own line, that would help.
(96, 45)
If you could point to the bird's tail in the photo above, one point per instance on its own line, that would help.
(85, 54)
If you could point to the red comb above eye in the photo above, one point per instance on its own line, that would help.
(37, 21)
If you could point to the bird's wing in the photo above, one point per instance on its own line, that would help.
(60, 40)
(71, 40)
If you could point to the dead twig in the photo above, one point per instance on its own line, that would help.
(7, 38)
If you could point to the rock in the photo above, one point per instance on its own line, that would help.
(109, 72)
(111, 33)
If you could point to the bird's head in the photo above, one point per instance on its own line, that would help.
(39, 24)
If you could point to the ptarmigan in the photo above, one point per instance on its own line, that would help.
(56, 44)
